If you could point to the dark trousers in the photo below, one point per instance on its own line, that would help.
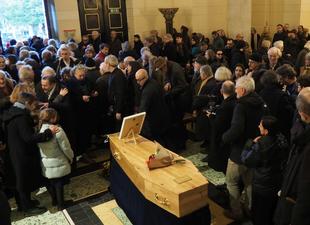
(56, 190)
(263, 207)
(5, 210)
(23, 199)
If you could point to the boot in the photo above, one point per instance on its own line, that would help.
(52, 192)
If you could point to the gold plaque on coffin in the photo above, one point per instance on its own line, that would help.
(179, 189)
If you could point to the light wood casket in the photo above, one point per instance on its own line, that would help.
(179, 189)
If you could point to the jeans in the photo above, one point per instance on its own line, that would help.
(234, 174)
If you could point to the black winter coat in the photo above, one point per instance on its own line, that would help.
(244, 125)
(220, 123)
(23, 150)
(169, 50)
(117, 91)
(157, 119)
(279, 106)
(267, 157)
(294, 204)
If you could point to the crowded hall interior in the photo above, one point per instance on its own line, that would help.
(144, 112)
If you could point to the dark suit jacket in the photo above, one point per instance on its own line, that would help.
(157, 116)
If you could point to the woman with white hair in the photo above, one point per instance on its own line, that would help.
(65, 59)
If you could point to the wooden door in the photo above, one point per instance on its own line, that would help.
(103, 16)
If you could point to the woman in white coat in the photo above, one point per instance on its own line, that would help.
(56, 157)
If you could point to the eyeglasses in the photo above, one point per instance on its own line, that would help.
(219, 53)
(139, 80)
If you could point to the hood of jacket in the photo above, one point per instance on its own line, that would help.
(13, 112)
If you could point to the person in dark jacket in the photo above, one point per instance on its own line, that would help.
(220, 120)
(256, 70)
(117, 90)
(115, 43)
(5, 209)
(280, 104)
(137, 45)
(237, 54)
(152, 102)
(266, 155)
(183, 53)
(82, 95)
(202, 100)
(169, 49)
(280, 34)
(244, 125)
(52, 94)
(132, 86)
(294, 202)
(23, 150)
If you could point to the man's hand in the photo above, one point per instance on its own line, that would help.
(43, 105)
(85, 98)
(167, 87)
(257, 138)
(63, 92)
(118, 116)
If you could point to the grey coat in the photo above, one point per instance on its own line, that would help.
(56, 155)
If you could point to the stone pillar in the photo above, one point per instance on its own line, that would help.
(239, 17)
(168, 13)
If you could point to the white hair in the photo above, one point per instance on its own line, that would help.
(275, 50)
(223, 73)
(279, 44)
(247, 83)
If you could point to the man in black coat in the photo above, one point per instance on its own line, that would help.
(115, 44)
(294, 203)
(152, 102)
(23, 150)
(279, 105)
(117, 90)
(244, 125)
(220, 122)
(51, 94)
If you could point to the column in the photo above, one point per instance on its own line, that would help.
(239, 17)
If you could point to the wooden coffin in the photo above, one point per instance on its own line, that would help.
(180, 188)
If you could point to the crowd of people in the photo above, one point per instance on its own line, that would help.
(249, 102)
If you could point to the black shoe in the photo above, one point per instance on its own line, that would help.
(35, 210)
(205, 144)
(229, 214)
(35, 202)
(66, 204)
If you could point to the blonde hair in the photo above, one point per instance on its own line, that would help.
(111, 60)
(26, 74)
(20, 88)
(223, 74)
(279, 45)
(46, 115)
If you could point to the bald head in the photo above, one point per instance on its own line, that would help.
(128, 59)
(141, 76)
(303, 104)
(228, 88)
